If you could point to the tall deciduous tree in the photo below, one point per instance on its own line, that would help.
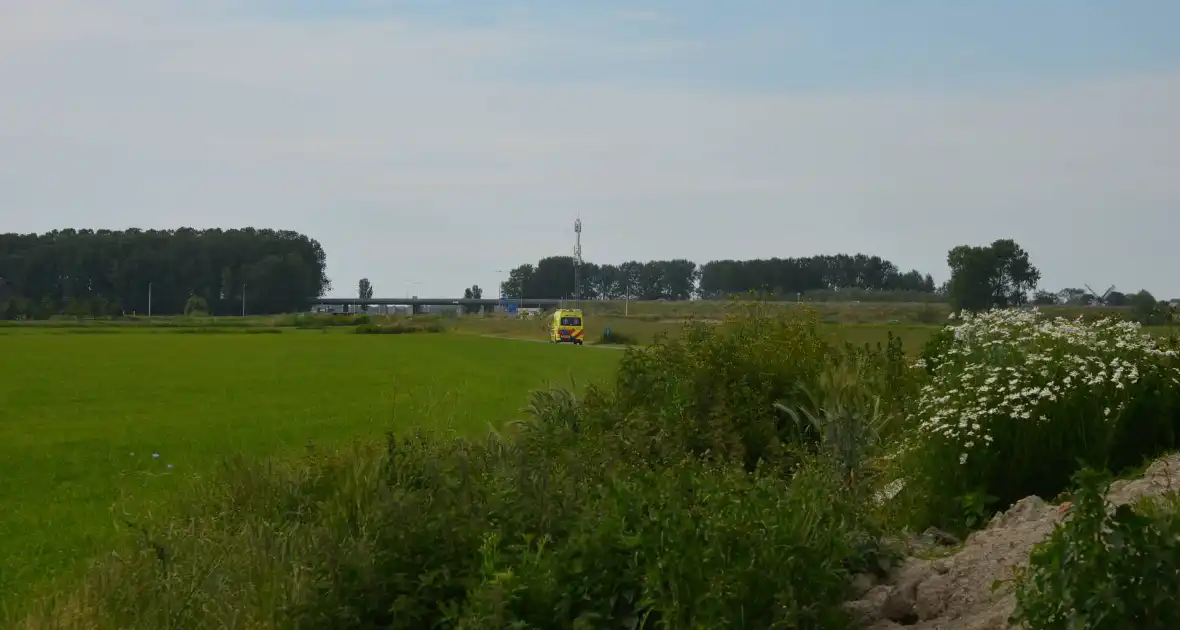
(364, 291)
(105, 272)
(997, 275)
(472, 292)
(1149, 311)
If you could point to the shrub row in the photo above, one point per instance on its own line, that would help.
(492, 534)
(322, 320)
(399, 328)
(616, 337)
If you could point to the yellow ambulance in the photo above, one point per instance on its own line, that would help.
(567, 327)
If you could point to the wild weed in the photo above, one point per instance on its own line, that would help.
(1104, 568)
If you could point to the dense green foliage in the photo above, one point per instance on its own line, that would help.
(399, 328)
(364, 291)
(681, 279)
(473, 292)
(715, 386)
(1014, 401)
(104, 272)
(310, 320)
(617, 337)
(1149, 311)
(196, 306)
(992, 276)
(1105, 568)
(787, 277)
(680, 496)
(552, 529)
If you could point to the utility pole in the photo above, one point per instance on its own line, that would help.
(149, 299)
(243, 300)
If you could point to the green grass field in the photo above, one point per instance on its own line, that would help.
(85, 405)
(82, 416)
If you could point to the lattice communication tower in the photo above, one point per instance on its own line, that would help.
(578, 263)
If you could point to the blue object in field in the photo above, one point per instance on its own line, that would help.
(606, 333)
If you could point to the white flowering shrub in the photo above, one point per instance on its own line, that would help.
(1016, 401)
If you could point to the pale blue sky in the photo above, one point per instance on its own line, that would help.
(427, 144)
(806, 45)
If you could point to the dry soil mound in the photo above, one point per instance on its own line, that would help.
(955, 592)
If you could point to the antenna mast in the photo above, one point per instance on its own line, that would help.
(578, 263)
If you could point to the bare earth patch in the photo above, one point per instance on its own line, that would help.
(955, 592)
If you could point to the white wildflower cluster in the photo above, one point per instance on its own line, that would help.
(1017, 365)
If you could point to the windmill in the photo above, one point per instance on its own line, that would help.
(1100, 300)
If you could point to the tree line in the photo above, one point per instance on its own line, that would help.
(108, 272)
(263, 271)
(1000, 275)
(681, 279)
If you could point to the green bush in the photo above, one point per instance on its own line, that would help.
(196, 306)
(1149, 311)
(548, 529)
(617, 337)
(399, 328)
(323, 320)
(1103, 568)
(883, 371)
(714, 388)
(1015, 401)
(206, 330)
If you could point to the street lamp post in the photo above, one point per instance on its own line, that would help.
(521, 288)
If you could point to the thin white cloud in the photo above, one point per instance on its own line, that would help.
(417, 151)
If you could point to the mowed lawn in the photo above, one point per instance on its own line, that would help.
(84, 416)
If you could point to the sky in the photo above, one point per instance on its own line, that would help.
(429, 145)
